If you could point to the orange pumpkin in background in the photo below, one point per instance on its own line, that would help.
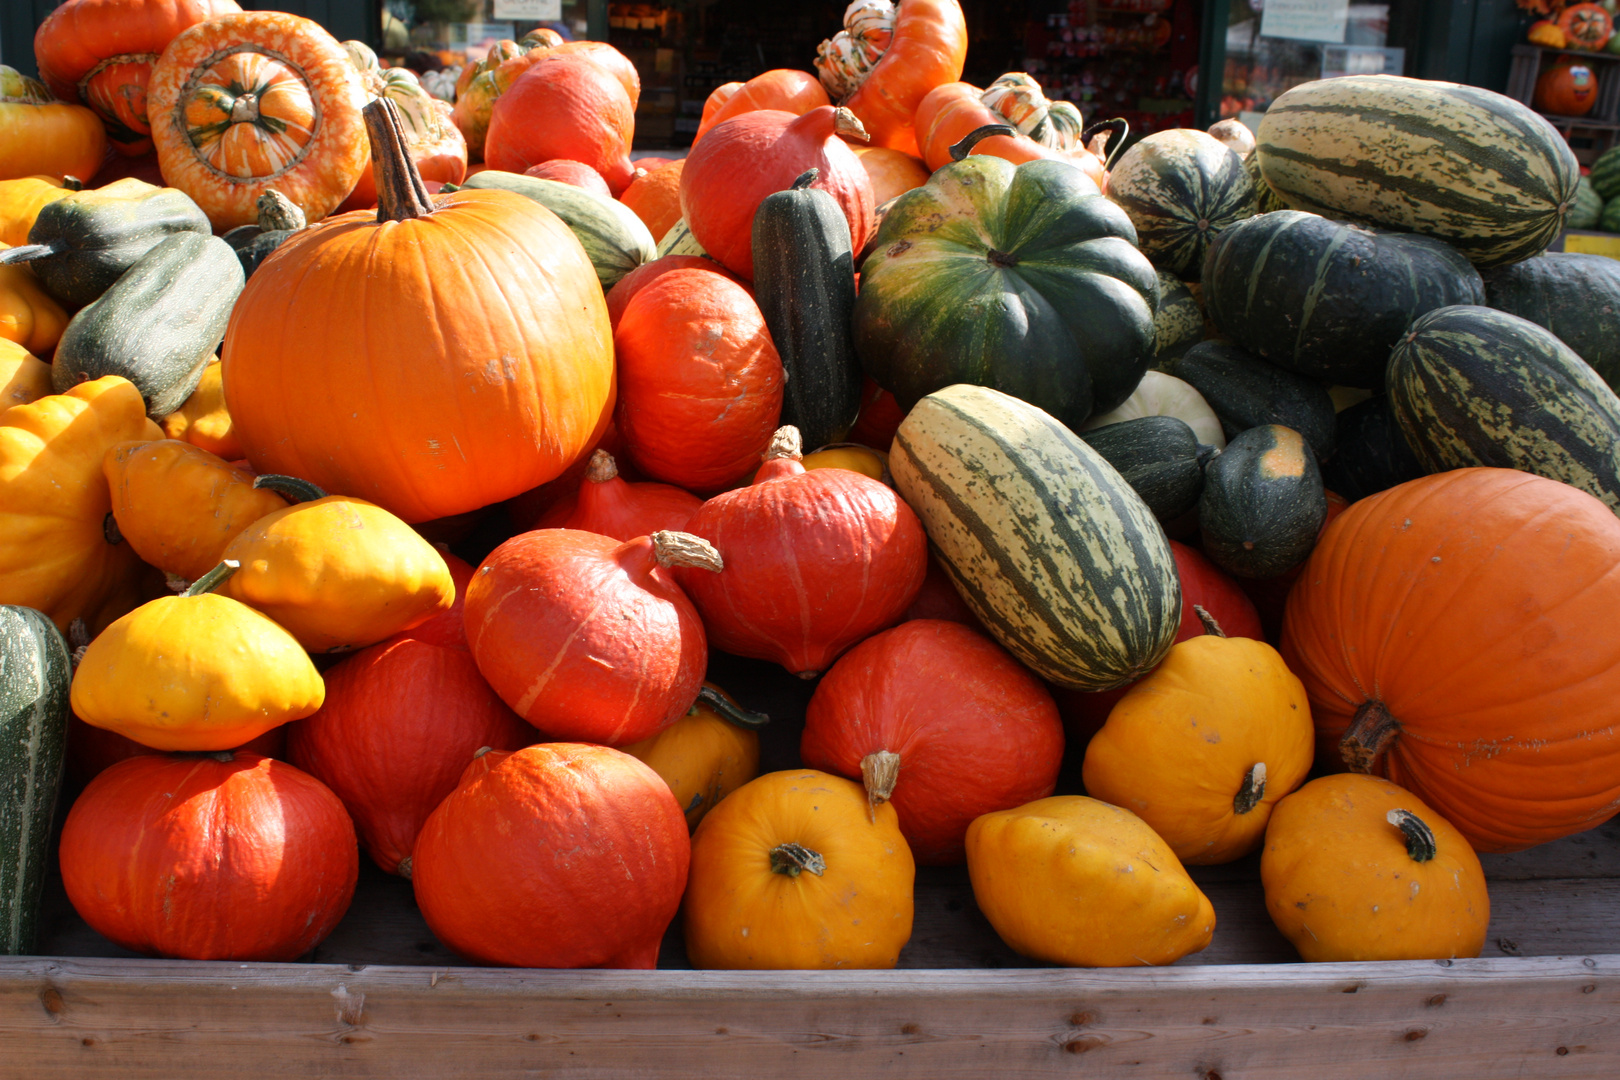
(567, 105)
(655, 196)
(1568, 88)
(1586, 26)
(886, 60)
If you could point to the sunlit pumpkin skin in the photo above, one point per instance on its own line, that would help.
(785, 89)
(250, 101)
(474, 106)
(715, 102)
(1073, 880)
(656, 197)
(338, 573)
(1204, 747)
(1466, 602)
(928, 48)
(400, 721)
(795, 870)
(59, 557)
(30, 317)
(588, 638)
(576, 173)
(892, 173)
(204, 421)
(704, 756)
(446, 628)
(815, 562)
(567, 105)
(1343, 882)
(24, 377)
(40, 135)
(219, 857)
(700, 381)
(610, 506)
(560, 855)
(626, 288)
(22, 199)
(179, 506)
(311, 388)
(92, 750)
(941, 721)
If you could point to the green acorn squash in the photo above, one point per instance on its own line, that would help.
(1577, 297)
(614, 238)
(1263, 503)
(1160, 457)
(1247, 392)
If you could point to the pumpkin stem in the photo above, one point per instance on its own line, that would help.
(213, 579)
(793, 859)
(401, 194)
(672, 548)
(289, 487)
(279, 213)
(78, 634)
(1371, 731)
(25, 253)
(72, 183)
(806, 178)
(601, 468)
(404, 868)
(847, 125)
(785, 443)
(977, 135)
(109, 530)
(1211, 627)
(1252, 790)
(879, 773)
(723, 707)
(1117, 129)
(1419, 837)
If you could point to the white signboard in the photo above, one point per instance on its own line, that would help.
(535, 10)
(1305, 20)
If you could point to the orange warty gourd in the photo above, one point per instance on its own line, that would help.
(900, 53)
(567, 105)
(656, 197)
(1460, 613)
(30, 317)
(786, 89)
(40, 135)
(481, 367)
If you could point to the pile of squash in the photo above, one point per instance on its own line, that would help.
(1279, 495)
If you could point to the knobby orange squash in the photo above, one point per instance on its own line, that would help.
(888, 58)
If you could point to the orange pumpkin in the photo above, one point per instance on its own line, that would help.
(1568, 88)
(656, 198)
(791, 91)
(891, 172)
(567, 105)
(715, 102)
(951, 112)
(1586, 26)
(923, 46)
(40, 135)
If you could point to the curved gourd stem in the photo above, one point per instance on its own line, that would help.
(213, 579)
(1252, 791)
(848, 126)
(289, 487)
(793, 859)
(717, 703)
(26, 253)
(1420, 843)
(785, 443)
(1119, 128)
(404, 868)
(401, 195)
(279, 213)
(1211, 627)
(1370, 733)
(879, 773)
(672, 548)
(962, 149)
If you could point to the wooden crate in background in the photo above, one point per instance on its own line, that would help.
(1587, 135)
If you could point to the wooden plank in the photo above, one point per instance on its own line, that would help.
(1480, 1019)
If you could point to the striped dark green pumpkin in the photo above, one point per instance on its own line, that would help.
(1575, 296)
(1050, 547)
(1474, 168)
(1475, 386)
(1588, 208)
(1371, 454)
(1609, 220)
(1265, 200)
(1160, 457)
(1180, 188)
(1263, 503)
(1179, 323)
(1605, 174)
(1247, 392)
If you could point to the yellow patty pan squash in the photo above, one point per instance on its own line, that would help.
(338, 573)
(790, 872)
(197, 671)
(1202, 748)
(28, 314)
(705, 755)
(1072, 880)
(22, 199)
(62, 553)
(179, 506)
(1356, 868)
(204, 421)
(24, 377)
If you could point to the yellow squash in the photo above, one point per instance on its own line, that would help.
(851, 456)
(41, 135)
(28, 315)
(22, 199)
(1071, 880)
(790, 872)
(195, 672)
(203, 420)
(1356, 868)
(24, 377)
(706, 754)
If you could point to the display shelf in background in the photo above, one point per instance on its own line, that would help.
(1587, 135)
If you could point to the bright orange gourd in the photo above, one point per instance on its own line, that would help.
(24, 377)
(919, 44)
(204, 421)
(715, 102)
(29, 316)
(892, 173)
(566, 105)
(656, 197)
(706, 754)
(785, 89)
(22, 199)
(1586, 26)
(40, 135)
(954, 111)
(610, 506)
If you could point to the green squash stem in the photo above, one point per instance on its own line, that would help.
(213, 579)
(289, 487)
(1420, 842)
(1252, 791)
(733, 714)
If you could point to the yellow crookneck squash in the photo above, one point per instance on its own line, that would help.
(197, 671)
(204, 421)
(24, 377)
(28, 315)
(706, 754)
(790, 871)
(62, 552)
(338, 573)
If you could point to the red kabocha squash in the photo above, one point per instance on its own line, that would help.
(741, 161)
(942, 722)
(222, 856)
(446, 628)
(567, 105)
(700, 382)
(887, 59)
(589, 638)
(560, 855)
(610, 506)
(374, 405)
(92, 750)
(784, 89)
(576, 173)
(655, 196)
(819, 560)
(523, 511)
(715, 102)
(626, 288)
(1451, 635)
(399, 724)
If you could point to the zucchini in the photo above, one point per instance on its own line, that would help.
(1160, 457)
(614, 238)
(1247, 392)
(1263, 503)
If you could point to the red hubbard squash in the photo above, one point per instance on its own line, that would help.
(335, 362)
(560, 855)
(785, 89)
(589, 638)
(626, 288)
(400, 722)
(222, 856)
(818, 560)
(941, 721)
(1568, 88)
(101, 52)
(887, 60)
(739, 162)
(576, 173)
(566, 105)
(700, 382)
(610, 506)
(92, 750)
(1451, 633)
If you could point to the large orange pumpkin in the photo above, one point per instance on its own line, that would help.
(1568, 88)
(786, 89)
(567, 105)
(1453, 635)
(918, 45)
(434, 357)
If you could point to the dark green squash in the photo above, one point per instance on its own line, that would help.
(159, 325)
(614, 238)
(1577, 297)
(1370, 453)
(1181, 187)
(1179, 323)
(1263, 503)
(35, 674)
(1160, 457)
(279, 218)
(1326, 299)
(1247, 392)
(80, 245)
(1020, 278)
(1475, 386)
(804, 280)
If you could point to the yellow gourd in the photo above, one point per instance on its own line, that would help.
(28, 315)
(706, 754)
(24, 377)
(1072, 880)
(861, 459)
(22, 199)
(204, 421)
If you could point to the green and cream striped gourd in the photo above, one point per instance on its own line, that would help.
(1181, 187)
(1474, 168)
(1062, 562)
(1178, 325)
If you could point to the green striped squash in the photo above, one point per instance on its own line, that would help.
(1178, 325)
(35, 673)
(1588, 208)
(1265, 200)
(1061, 561)
(614, 238)
(1181, 187)
(1605, 174)
(680, 241)
(1263, 503)
(1576, 296)
(1609, 220)
(1475, 386)
(1471, 167)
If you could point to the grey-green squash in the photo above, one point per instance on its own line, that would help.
(1061, 561)
(1588, 208)
(1247, 392)
(1160, 457)
(615, 239)
(1263, 503)
(1181, 187)
(1575, 296)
